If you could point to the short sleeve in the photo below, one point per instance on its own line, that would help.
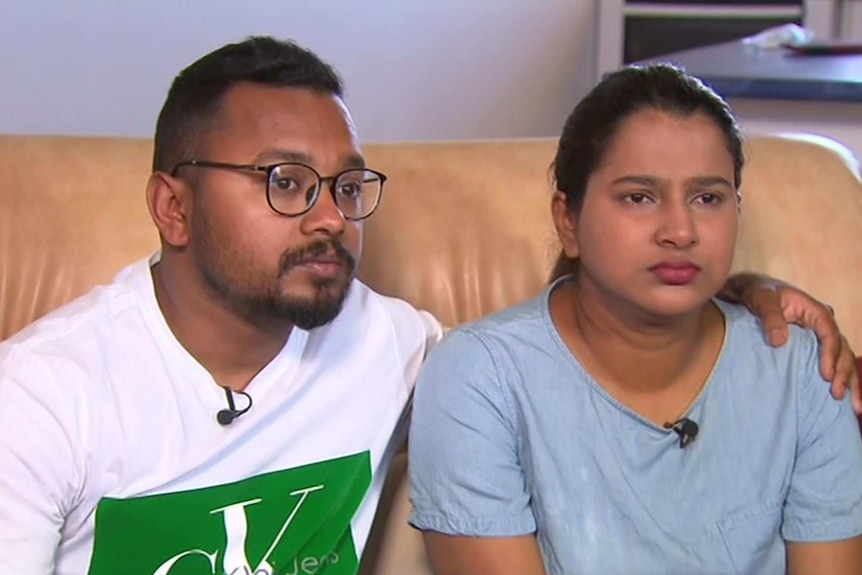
(824, 502)
(37, 459)
(434, 330)
(466, 478)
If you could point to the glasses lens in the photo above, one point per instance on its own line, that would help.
(357, 193)
(292, 188)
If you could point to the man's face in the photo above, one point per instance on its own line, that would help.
(265, 266)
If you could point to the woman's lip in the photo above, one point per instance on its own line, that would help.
(676, 265)
(675, 275)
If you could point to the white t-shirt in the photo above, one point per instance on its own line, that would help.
(112, 461)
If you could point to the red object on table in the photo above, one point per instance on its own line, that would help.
(826, 48)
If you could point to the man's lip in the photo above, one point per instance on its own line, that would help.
(324, 267)
(322, 261)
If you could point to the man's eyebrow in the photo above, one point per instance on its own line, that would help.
(707, 181)
(354, 161)
(275, 156)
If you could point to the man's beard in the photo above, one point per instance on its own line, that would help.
(329, 296)
(268, 306)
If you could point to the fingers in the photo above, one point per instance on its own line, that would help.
(847, 376)
(832, 351)
(855, 392)
(765, 303)
(802, 309)
(836, 358)
(841, 376)
(778, 306)
(735, 286)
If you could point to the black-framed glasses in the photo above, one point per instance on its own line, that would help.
(293, 188)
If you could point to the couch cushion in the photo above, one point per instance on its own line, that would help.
(464, 228)
(72, 214)
(470, 222)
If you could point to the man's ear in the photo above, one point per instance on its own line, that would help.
(170, 203)
(565, 220)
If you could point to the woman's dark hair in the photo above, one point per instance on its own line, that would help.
(596, 120)
(197, 92)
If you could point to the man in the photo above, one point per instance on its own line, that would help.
(128, 440)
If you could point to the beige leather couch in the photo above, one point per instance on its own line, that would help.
(464, 230)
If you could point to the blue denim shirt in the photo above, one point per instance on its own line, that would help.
(511, 436)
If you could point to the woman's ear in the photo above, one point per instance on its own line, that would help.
(565, 220)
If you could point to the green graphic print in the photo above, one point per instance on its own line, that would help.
(291, 522)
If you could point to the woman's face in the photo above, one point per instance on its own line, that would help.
(657, 229)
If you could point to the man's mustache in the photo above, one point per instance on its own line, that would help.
(314, 250)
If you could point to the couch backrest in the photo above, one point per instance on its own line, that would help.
(72, 214)
(464, 228)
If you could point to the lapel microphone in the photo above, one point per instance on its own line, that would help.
(685, 428)
(226, 416)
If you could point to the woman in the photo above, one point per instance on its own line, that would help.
(611, 424)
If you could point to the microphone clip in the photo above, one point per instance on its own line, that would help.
(685, 428)
(227, 416)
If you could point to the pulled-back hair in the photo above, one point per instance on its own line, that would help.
(591, 127)
(596, 120)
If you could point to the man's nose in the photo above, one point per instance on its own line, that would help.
(324, 215)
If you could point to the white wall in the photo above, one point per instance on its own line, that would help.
(414, 70)
(841, 121)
